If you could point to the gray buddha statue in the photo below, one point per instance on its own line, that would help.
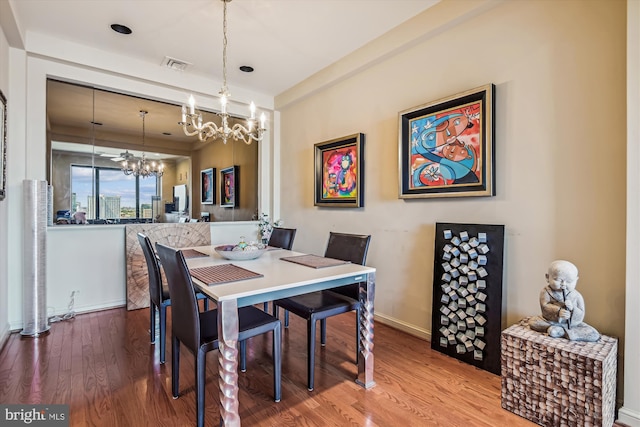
(563, 306)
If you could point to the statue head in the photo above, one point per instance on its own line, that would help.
(562, 275)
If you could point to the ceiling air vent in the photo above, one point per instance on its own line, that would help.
(175, 64)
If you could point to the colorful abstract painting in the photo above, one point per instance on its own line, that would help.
(229, 187)
(207, 186)
(446, 147)
(339, 172)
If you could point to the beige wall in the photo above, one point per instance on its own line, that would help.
(179, 173)
(167, 182)
(559, 71)
(220, 156)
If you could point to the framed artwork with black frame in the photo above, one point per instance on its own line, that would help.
(208, 186)
(3, 146)
(446, 147)
(229, 187)
(339, 172)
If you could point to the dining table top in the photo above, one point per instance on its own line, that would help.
(277, 278)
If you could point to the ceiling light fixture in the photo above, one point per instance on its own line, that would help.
(192, 119)
(141, 167)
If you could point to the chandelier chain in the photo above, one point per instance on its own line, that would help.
(143, 115)
(192, 120)
(225, 89)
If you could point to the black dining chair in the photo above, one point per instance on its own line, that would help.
(323, 304)
(159, 298)
(281, 238)
(198, 331)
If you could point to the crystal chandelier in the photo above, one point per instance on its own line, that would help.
(141, 167)
(192, 119)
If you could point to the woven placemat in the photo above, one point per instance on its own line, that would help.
(314, 261)
(225, 273)
(192, 253)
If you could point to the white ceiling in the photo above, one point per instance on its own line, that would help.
(286, 41)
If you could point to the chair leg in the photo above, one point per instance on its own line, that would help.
(323, 332)
(277, 363)
(163, 332)
(265, 306)
(152, 321)
(200, 380)
(206, 304)
(311, 351)
(286, 318)
(175, 366)
(243, 356)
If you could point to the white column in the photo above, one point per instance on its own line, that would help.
(630, 411)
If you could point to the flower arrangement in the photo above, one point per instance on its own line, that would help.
(266, 227)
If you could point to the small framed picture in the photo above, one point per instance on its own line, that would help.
(229, 187)
(208, 185)
(339, 172)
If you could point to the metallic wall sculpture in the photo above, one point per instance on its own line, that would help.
(467, 293)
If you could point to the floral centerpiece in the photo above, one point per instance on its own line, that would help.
(265, 226)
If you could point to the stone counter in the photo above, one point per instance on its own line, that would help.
(177, 235)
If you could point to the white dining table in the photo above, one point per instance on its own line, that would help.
(280, 279)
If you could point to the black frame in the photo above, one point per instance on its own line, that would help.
(354, 146)
(211, 173)
(3, 146)
(425, 170)
(232, 173)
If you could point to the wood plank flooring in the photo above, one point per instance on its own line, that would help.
(104, 367)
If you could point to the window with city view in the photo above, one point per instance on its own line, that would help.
(120, 196)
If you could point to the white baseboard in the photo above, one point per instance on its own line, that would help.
(4, 335)
(629, 417)
(405, 327)
(17, 325)
(97, 307)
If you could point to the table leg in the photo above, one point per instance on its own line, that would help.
(228, 326)
(365, 323)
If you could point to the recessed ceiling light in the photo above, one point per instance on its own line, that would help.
(122, 29)
(246, 68)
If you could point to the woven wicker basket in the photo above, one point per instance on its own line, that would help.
(557, 382)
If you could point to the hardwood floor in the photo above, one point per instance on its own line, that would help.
(104, 367)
